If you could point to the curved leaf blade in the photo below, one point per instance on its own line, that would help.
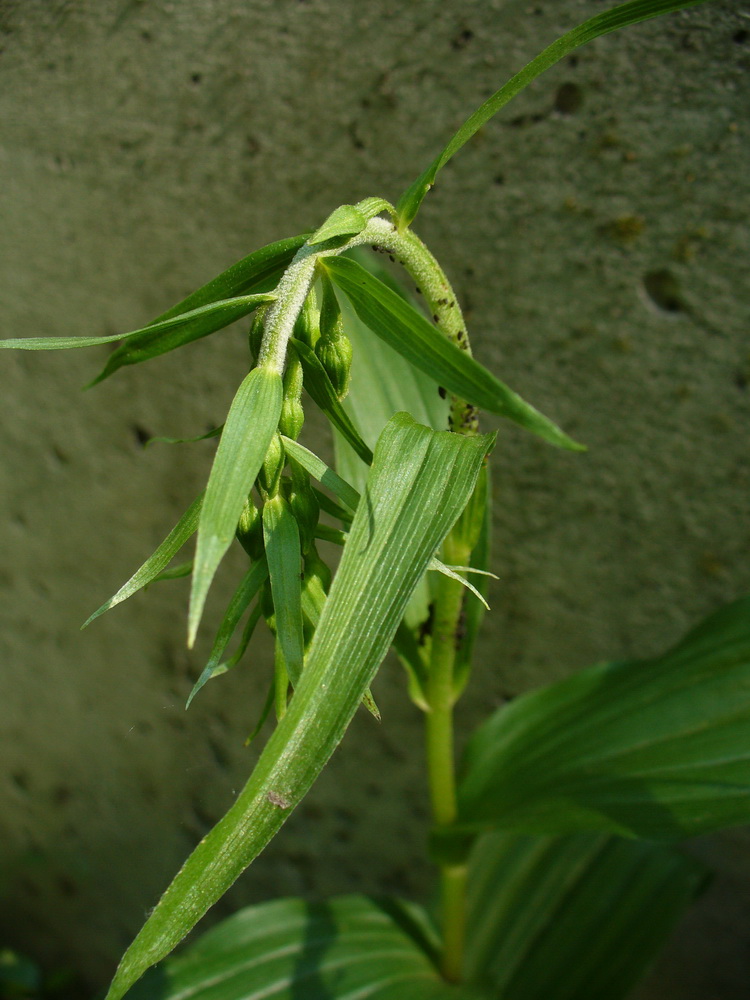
(571, 917)
(416, 339)
(281, 537)
(346, 220)
(251, 423)
(346, 947)
(156, 564)
(654, 748)
(600, 24)
(322, 472)
(419, 483)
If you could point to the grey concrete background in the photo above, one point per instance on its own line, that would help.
(597, 235)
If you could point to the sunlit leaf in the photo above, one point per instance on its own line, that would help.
(320, 471)
(250, 425)
(345, 948)
(655, 748)
(155, 565)
(561, 918)
(600, 24)
(419, 483)
(346, 220)
(423, 345)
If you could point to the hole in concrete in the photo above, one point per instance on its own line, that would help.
(568, 99)
(663, 290)
(740, 37)
(141, 435)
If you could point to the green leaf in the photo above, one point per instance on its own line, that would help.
(256, 273)
(166, 334)
(346, 220)
(281, 538)
(238, 605)
(155, 565)
(424, 346)
(601, 24)
(321, 391)
(175, 572)
(419, 483)
(654, 748)
(250, 425)
(320, 471)
(289, 949)
(214, 432)
(571, 917)
(480, 506)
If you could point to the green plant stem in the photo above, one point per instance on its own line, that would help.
(440, 759)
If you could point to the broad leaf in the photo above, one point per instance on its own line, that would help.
(601, 24)
(251, 423)
(238, 605)
(321, 391)
(419, 483)
(281, 538)
(156, 564)
(346, 220)
(654, 748)
(561, 918)
(258, 272)
(423, 345)
(346, 948)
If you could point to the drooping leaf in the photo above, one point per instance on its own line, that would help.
(423, 345)
(281, 538)
(250, 425)
(345, 948)
(600, 24)
(320, 471)
(238, 605)
(655, 748)
(256, 273)
(155, 565)
(571, 917)
(419, 483)
(321, 391)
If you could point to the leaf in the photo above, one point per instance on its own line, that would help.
(346, 220)
(571, 917)
(321, 391)
(256, 273)
(175, 572)
(281, 538)
(654, 748)
(347, 947)
(214, 432)
(155, 565)
(419, 483)
(251, 423)
(238, 605)
(601, 24)
(320, 471)
(423, 345)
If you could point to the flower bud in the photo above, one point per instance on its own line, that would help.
(307, 325)
(250, 530)
(334, 349)
(292, 414)
(255, 334)
(273, 463)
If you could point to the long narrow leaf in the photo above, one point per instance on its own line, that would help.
(321, 391)
(256, 273)
(251, 423)
(345, 948)
(238, 605)
(158, 337)
(416, 339)
(600, 24)
(155, 565)
(320, 471)
(571, 917)
(419, 483)
(654, 748)
(281, 538)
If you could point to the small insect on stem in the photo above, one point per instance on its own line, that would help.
(278, 800)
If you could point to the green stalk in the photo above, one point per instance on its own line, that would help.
(440, 756)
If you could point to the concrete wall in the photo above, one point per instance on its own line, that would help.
(597, 235)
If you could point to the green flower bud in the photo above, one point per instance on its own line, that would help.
(306, 510)
(334, 349)
(273, 463)
(292, 414)
(307, 325)
(255, 334)
(266, 606)
(250, 530)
